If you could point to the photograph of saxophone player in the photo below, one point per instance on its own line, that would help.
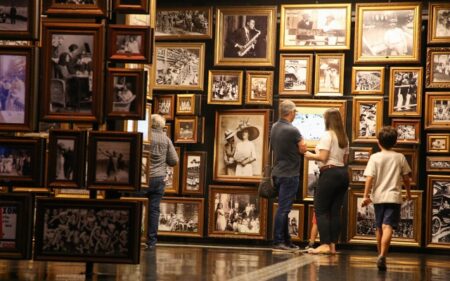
(245, 37)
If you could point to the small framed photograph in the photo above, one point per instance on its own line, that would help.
(186, 129)
(315, 27)
(117, 241)
(188, 104)
(361, 223)
(360, 155)
(182, 217)
(144, 214)
(412, 157)
(85, 8)
(131, 6)
(172, 176)
(245, 36)
(20, 20)
(17, 226)
(66, 159)
(367, 80)
(329, 75)
(438, 63)
(126, 97)
(184, 23)
(236, 212)
(296, 217)
(145, 168)
(225, 87)
(178, 66)
(164, 105)
(130, 43)
(437, 110)
(17, 76)
(405, 91)
(194, 171)
(367, 118)
(438, 24)
(22, 161)
(437, 219)
(438, 143)
(356, 175)
(388, 33)
(438, 164)
(112, 160)
(295, 74)
(408, 130)
(259, 87)
(311, 174)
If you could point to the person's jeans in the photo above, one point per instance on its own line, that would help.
(287, 191)
(154, 194)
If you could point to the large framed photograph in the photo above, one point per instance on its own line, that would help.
(360, 155)
(295, 74)
(438, 24)
(438, 65)
(245, 36)
(19, 20)
(17, 88)
(438, 211)
(367, 80)
(126, 97)
(112, 159)
(72, 67)
(388, 32)
(16, 224)
(129, 43)
(361, 223)
(66, 159)
(88, 8)
(437, 110)
(22, 161)
(183, 23)
(194, 171)
(405, 91)
(236, 212)
(412, 157)
(315, 27)
(225, 87)
(408, 130)
(367, 118)
(181, 217)
(188, 104)
(186, 129)
(438, 164)
(164, 105)
(296, 218)
(131, 6)
(87, 230)
(309, 118)
(356, 175)
(438, 143)
(178, 66)
(259, 87)
(172, 178)
(240, 142)
(311, 173)
(329, 77)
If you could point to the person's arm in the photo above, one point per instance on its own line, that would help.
(322, 156)
(301, 146)
(367, 189)
(407, 183)
(172, 156)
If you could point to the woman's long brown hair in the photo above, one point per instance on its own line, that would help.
(333, 122)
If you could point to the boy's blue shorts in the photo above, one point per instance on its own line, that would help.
(387, 213)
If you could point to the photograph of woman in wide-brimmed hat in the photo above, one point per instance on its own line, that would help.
(245, 153)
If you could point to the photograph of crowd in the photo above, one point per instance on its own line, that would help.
(225, 88)
(405, 228)
(14, 15)
(441, 110)
(440, 211)
(164, 105)
(193, 172)
(296, 74)
(125, 91)
(367, 120)
(183, 22)
(440, 164)
(178, 217)
(15, 161)
(367, 81)
(441, 67)
(406, 85)
(112, 163)
(65, 159)
(13, 76)
(406, 132)
(329, 75)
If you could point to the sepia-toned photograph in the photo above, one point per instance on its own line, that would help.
(188, 104)
(129, 43)
(437, 110)
(225, 87)
(295, 221)
(329, 75)
(259, 87)
(194, 170)
(438, 143)
(356, 174)
(438, 164)
(438, 68)
(75, 7)
(19, 19)
(368, 80)
(295, 74)
(408, 130)
(405, 91)
(438, 211)
(315, 27)
(113, 161)
(311, 173)
(360, 154)
(367, 118)
(183, 23)
(164, 105)
(181, 217)
(438, 23)
(186, 129)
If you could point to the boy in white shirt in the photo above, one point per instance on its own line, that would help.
(384, 172)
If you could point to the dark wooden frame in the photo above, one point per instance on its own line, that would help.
(202, 172)
(352, 158)
(300, 223)
(141, 8)
(88, 10)
(33, 24)
(352, 168)
(145, 55)
(156, 102)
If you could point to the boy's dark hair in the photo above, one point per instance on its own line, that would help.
(387, 137)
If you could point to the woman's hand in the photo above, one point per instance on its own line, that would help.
(309, 154)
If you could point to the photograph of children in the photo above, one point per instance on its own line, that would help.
(125, 90)
(191, 23)
(193, 166)
(441, 110)
(65, 159)
(129, 44)
(113, 160)
(14, 15)
(13, 77)
(15, 161)
(440, 67)
(367, 81)
(440, 211)
(296, 76)
(72, 73)
(329, 75)
(225, 88)
(178, 217)
(406, 132)
(367, 126)
(406, 84)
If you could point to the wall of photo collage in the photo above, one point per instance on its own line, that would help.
(78, 82)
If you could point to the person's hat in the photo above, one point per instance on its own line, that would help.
(253, 132)
(229, 134)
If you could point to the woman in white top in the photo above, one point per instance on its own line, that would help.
(332, 156)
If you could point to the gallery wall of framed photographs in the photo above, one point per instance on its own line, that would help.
(80, 89)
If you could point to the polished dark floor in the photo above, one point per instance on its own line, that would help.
(178, 262)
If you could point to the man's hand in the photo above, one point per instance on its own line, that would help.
(366, 201)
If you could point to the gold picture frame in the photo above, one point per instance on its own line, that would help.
(368, 80)
(186, 129)
(438, 143)
(408, 130)
(438, 164)
(437, 211)
(360, 155)
(225, 87)
(436, 74)
(405, 91)
(435, 107)
(188, 104)
(296, 218)
(438, 33)
(295, 74)
(259, 87)
(329, 68)
(367, 118)
(164, 105)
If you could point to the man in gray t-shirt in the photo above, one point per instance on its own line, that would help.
(288, 146)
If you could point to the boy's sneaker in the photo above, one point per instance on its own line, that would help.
(381, 263)
(281, 247)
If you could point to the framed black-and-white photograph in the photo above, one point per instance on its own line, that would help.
(147, 68)
(438, 211)
(188, 104)
(295, 74)
(245, 35)
(236, 212)
(172, 176)
(405, 91)
(311, 174)
(130, 43)
(112, 159)
(388, 32)
(194, 171)
(66, 158)
(181, 217)
(259, 87)
(315, 27)
(186, 129)
(225, 87)
(131, 6)
(145, 168)
(367, 80)
(184, 23)
(360, 155)
(17, 88)
(367, 118)
(356, 175)
(19, 19)
(16, 225)
(438, 164)
(87, 230)
(164, 105)
(85, 8)
(438, 67)
(438, 23)
(408, 130)
(329, 77)
(438, 143)
(437, 110)
(296, 218)
(178, 66)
